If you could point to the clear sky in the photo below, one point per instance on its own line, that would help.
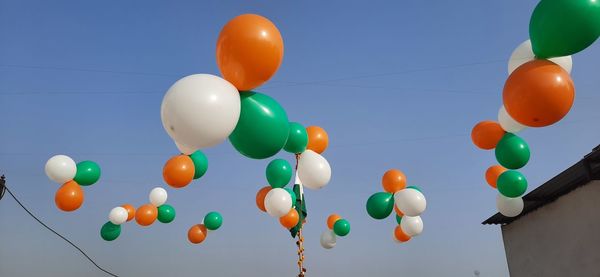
(397, 84)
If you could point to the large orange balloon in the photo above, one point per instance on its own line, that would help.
(492, 174)
(130, 211)
(197, 233)
(249, 51)
(332, 219)
(146, 214)
(538, 93)
(486, 134)
(260, 198)
(178, 172)
(290, 219)
(400, 235)
(317, 139)
(69, 196)
(393, 180)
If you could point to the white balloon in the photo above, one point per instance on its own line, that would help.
(410, 202)
(184, 149)
(158, 196)
(61, 169)
(278, 202)
(200, 110)
(509, 207)
(118, 215)
(524, 53)
(411, 225)
(508, 123)
(328, 239)
(313, 170)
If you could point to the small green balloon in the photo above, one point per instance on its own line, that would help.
(213, 221)
(292, 194)
(341, 227)
(279, 173)
(297, 139)
(110, 231)
(380, 205)
(398, 219)
(512, 151)
(88, 173)
(200, 163)
(166, 213)
(415, 188)
(512, 184)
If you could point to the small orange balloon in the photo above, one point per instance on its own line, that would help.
(69, 196)
(393, 180)
(398, 212)
(492, 174)
(197, 233)
(290, 219)
(178, 172)
(130, 211)
(260, 198)
(146, 214)
(317, 139)
(538, 93)
(486, 134)
(249, 51)
(400, 235)
(332, 219)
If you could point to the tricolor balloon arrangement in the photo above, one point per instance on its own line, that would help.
(408, 203)
(63, 170)
(539, 91)
(337, 227)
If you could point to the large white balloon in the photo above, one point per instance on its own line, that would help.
(278, 202)
(200, 110)
(410, 202)
(509, 207)
(328, 239)
(61, 169)
(411, 225)
(158, 196)
(184, 149)
(524, 53)
(313, 170)
(118, 215)
(508, 123)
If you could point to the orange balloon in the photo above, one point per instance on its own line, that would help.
(197, 233)
(69, 196)
(486, 134)
(538, 93)
(290, 219)
(398, 212)
(492, 174)
(317, 139)
(146, 214)
(178, 172)
(393, 180)
(249, 51)
(332, 219)
(260, 198)
(400, 235)
(130, 211)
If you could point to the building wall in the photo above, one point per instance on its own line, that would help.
(559, 239)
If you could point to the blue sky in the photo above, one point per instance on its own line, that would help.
(397, 84)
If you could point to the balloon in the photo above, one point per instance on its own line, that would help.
(130, 211)
(538, 93)
(197, 233)
(69, 197)
(410, 201)
(88, 173)
(508, 123)
(564, 27)
(341, 227)
(318, 140)
(184, 149)
(213, 221)
(278, 202)
(158, 196)
(200, 163)
(290, 219)
(398, 212)
(297, 139)
(486, 134)
(332, 219)
(200, 111)
(512, 152)
(110, 231)
(328, 239)
(400, 236)
(492, 173)
(249, 51)
(509, 207)
(411, 225)
(61, 169)
(524, 53)
(118, 215)
(279, 173)
(415, 187)
(313, 170)
(393, 180)
(512, 183)
(399, 219)
(292, 194)
(380, 205)
(166, 213)
(260, 198)
(146, 214)
(179, 171)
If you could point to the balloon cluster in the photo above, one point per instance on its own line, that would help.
(197, 233)
(63, 170)
(538, 92)
(407, 201)
(337, 227)
(180, 170)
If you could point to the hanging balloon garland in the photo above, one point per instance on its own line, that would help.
(63, 170)
(538, 92)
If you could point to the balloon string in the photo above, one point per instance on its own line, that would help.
(300, 242)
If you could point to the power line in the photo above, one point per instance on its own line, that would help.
(58, 68)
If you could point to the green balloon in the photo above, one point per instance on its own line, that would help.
(110, 231)
(279, 173)
(512, 151)
(398, 219)
(88, 173)
(166, 213)
(200, 163)
(341, 227)
(512, 183)
(380, 205)
(213, 221)
(564, 27)
(297, 139)
(415, 188)
(263, 127)
(292, 194)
